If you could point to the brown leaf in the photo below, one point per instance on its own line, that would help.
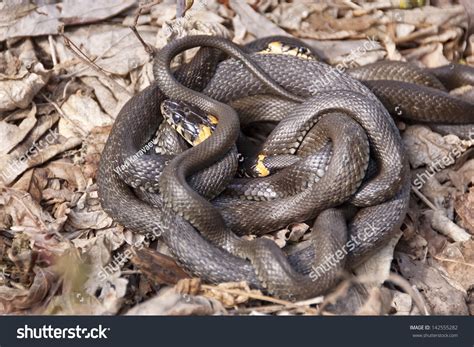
(12, 134)
(67, 171)
(19, 93)
(170, 303)
(378, 303)
(36, 155)
(33, 182)
(227, 297)
(83, 112)
(88, 11)
(93, 146)
(254, 22)
(156, 267)
(28, 216)
(426, 147)
(29, 21)
(463, 177)
(458, 260)
(464, 207)
(442, 298)
(18, 299)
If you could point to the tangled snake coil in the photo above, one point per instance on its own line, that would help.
(344, 163)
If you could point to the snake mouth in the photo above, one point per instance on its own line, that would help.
(193, 124)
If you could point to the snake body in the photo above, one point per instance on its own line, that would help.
(334, 130)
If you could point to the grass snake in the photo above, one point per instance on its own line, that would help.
(350, 173)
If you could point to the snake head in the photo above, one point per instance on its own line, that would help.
(193, 124)
(278, 47)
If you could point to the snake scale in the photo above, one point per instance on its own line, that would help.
(347, 168)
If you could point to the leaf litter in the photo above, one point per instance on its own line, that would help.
(66, 69)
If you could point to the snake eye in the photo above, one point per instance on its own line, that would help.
(189, 127)
(176, 118)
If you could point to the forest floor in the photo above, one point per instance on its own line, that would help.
(66, 69)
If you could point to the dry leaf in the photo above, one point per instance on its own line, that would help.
(18, 299)
(463, 177)
(227, 298)
(377, 267)
(112, 47)
(12, 134)
(441, 297)
(156, 267)
(31, 20)
(402, 303)
(26, 214)
(20, 92)
(458, 261)
(17, 165)
(255, 23)
(90, 11)
(82, 112)
(378, 303)
(465, 209)
(170, 303)
(426, 147)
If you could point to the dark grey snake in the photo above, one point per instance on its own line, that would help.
(350, 171)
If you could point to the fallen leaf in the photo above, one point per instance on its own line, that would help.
(465, 209)
(441, 297)
(170, 303)
(255, 23)
(378, 303)
(33, 21)
(156, 267)
(82, 112)
(39, 155)
(377, 267)
(15, 300)
(458, 260)
(89, 11)
(93, 146)
(402, 303)
(426, 147)
(113, 48)
(463, 177)
(12, 134)
(229, 299)
(20, 92)
(26, 214)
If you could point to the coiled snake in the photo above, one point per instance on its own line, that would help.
(344, 161)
